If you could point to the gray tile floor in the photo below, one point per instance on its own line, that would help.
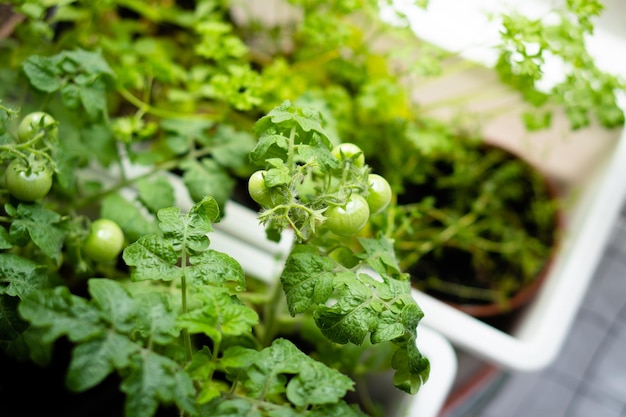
(588, 379)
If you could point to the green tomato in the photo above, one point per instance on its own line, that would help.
(105, 240)
(379, 195)
(28, 182)
(35, 123)
(349, 152)
(259, 191)
(349, 219)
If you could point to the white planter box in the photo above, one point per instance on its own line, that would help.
(589, 166)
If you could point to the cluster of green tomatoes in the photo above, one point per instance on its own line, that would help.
(29, 178)
(345, 197)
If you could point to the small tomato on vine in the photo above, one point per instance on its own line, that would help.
(105, 240)
(349, 219)
(28, 181)
(36, 123)
(259, 191)
(379, 195)
(349, 152)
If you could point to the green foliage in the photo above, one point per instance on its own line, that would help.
(139, 93)
(586, 92)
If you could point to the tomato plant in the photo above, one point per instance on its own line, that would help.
(105, 240)
(28, 181)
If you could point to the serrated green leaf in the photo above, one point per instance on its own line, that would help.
(11, 324)
(93, 360)
(270, 146)
(307, 279)
(201, 369)
(237, 359)
(219, 315)
(353, 316)
(115, 303)
(275, 177)
(154, 258)
(93, 99)
(5, 242)
(181, 134)
(313, 382)
(156, 193)
(285, 117)
(339, 409)
(189, 231)
(236, 407)
(57, 312)
(317, 384)
(379, 253)
(154, 380)
(412, 369)
(43, 73)
(43, 226)
(207, 178)
(20, 276)
(215, 268)
(89, 62)
(156, 319)
(127, 215)
(231, 147)
(100, 140)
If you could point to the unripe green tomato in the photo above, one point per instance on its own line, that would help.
(105, 241)
(28, 183)
(349, 152)
(258, 190)
(349, 219)
(379, 195)
(34, 123)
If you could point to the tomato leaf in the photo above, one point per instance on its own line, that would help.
(43, 73)
(43, 226)
(20, 276)
(309, 382)
(218, 315)
(156, 193)
(188, 231)
(153, 258)
(207, 178)
(95, 359)
(155, 379)
(127, 215)
(215, 268)
(57, 312)
(379, 253)
(11, 324)
(230, 148)
(307, 279)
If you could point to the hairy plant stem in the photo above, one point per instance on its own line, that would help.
(365, 398)
(183, 291)
(270, 312)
